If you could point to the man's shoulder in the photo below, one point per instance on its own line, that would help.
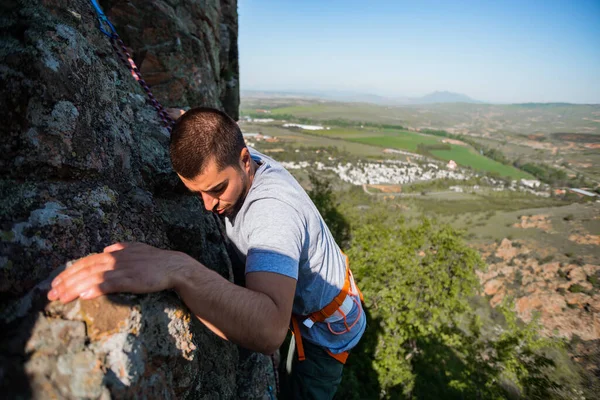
(272, 180)
(271, 207)
(275, 198)
(274, 190)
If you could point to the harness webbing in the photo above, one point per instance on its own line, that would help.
(107, 28)
(326, 312)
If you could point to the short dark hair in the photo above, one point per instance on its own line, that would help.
(202, 134)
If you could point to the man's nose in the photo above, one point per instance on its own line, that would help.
(209, 201)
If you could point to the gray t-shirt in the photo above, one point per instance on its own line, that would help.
(279, 229)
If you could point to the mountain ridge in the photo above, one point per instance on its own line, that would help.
(359, 97)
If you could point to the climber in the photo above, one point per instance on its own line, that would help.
(294, 270)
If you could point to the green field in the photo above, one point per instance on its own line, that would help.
(548, 134)
(480, 119)
(402, 140)
(409, 141)
(463, 156)
(299, 139)
(467, 156)
(353, 112)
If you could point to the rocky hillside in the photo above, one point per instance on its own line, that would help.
(562, 294)
(561, 291)
(84, 164)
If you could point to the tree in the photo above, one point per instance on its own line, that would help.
(425, 338)
(325, 201)
(414, 279)
(419, 282)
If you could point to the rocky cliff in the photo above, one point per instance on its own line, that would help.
(84, 163)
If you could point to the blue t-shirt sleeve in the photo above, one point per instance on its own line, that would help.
(275, 236)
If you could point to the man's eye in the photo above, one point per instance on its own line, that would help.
(220, 189)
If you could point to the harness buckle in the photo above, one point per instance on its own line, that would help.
(308, 323)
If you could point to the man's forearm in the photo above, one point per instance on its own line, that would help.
(246, 317)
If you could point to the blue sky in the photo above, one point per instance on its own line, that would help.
(497, 51)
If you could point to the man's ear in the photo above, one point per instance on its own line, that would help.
(245, 159)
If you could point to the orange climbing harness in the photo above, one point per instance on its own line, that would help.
(326, 312)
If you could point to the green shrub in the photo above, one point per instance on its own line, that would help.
(569, 217)
(546, 259)
(579, 261)
(518, 277)
(325, 201)
(576, 288)
(562, 274)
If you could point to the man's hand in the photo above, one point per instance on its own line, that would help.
(255, 317)
(122, 267)
(175, 113)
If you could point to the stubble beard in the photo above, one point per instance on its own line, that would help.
(233, 210)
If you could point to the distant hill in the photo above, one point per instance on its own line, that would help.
(356, 97)
(331, 95)
(442, 97)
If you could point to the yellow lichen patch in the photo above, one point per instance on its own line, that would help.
(183, 315)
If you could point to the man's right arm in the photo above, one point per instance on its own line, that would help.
(255, 317)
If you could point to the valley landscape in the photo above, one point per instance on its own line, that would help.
(519, 183)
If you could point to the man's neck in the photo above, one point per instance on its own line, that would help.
(253, 168)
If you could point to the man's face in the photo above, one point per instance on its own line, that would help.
(222, 191)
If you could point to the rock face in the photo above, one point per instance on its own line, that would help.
(186, 50)
(84, 164)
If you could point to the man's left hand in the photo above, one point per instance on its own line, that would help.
(122, 267)
(175, 113)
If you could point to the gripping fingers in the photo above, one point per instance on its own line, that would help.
(116, 247)
(80, 288)
(114, 281)
(69, 286)
(74, 269)
(87, 262)
(81, 265)
(92, 286)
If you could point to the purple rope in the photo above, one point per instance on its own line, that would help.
(126, 59)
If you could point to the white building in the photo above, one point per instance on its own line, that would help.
(256, 136)
(305, 127)
(530, 183)
(583, 192)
